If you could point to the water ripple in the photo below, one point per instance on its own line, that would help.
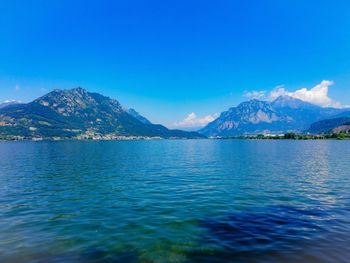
(175, 201)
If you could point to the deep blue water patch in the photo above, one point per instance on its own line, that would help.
(274, 234)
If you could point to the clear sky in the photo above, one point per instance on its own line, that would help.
(168, 59)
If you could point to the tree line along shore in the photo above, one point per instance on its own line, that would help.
(286, 136)
(290, 136)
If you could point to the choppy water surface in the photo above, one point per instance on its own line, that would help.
(175, 201)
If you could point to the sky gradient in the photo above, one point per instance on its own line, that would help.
(170, 59)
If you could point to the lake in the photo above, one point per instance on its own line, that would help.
(175, 201)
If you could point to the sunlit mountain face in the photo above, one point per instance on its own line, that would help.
(279, 116)
(77, 112)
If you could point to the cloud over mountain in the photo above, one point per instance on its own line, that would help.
(192, 120)
(317, 95)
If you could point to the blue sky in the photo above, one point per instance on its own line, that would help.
(168, 59)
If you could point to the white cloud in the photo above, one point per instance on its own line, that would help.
(193, 121)
(255, 94)
(317, 95)
(17, 88)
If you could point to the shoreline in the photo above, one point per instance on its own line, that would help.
(248, 138)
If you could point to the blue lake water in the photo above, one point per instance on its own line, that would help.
(175, 201)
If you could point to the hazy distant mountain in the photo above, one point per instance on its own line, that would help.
(69, 113)
(328, 125)
(9, 103)
(279, 116)
(137, 115)
(345, 113)
(331, 125)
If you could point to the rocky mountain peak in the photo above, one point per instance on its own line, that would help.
(290, 102)
(79, 90)
(77, 101)
(256, 111)
(253, 105)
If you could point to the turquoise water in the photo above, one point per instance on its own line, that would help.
(175, 201)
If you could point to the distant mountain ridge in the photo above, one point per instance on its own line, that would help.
(9, 103)
(282, 115)
(328, 125)
(77, 112)
(335, 124)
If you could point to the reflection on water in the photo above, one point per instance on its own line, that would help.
(175, 201)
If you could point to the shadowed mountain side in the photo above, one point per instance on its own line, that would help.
(329, 125)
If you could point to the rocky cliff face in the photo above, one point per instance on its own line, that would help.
(247, 118)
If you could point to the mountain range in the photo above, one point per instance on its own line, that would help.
(284, 114)
(77, 113)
